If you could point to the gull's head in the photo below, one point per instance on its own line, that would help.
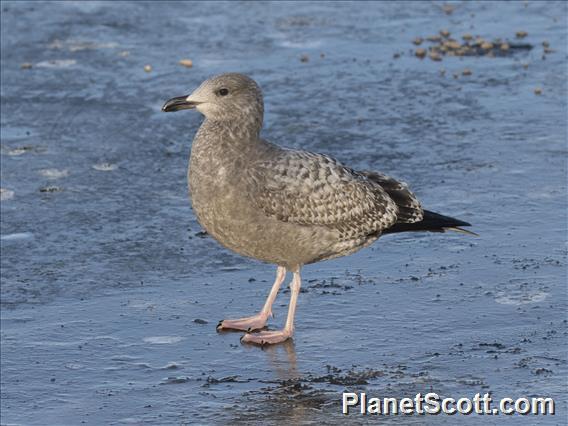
(223, 97)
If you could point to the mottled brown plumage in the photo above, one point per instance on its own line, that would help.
(282, 206)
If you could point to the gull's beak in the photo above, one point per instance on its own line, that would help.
(181, 102)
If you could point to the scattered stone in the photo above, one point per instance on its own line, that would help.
(466, 71)
(545, 44)
(418, 41)
(200, 321)
(471, 47)
(478, 41)
(448, 9)
(396, 55)
(124, 53)
(50, 189)
(521, 34)
(186, 63)
(451, 44)
(548, 50)
(304, 58)
(442, 72)
(148, 68)
(322, 55)
(538, 91)
(26, 66)
(435, 56)
(525, 65)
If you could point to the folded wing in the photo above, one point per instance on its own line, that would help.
(313, 189)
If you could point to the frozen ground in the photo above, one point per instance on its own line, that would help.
(110, 294)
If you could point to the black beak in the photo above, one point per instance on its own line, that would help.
(176, 104)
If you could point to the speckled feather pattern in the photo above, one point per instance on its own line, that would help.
(284, 206)
(314, 189)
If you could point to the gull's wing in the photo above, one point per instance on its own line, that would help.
(409, 208)
(313, 189)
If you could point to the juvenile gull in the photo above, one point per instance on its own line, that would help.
(284, 206)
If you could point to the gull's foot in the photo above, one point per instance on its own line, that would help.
(266, 337)
(256, 322)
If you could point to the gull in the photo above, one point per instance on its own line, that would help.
(282, 206)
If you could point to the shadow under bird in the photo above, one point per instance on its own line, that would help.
(283, 206)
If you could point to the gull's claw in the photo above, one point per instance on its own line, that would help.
(256, 322)
(267, 337)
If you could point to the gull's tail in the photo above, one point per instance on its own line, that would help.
(432, 222)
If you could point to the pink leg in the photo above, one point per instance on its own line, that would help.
(258, 321)
(278, 336)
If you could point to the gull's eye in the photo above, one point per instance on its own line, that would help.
(223, 92)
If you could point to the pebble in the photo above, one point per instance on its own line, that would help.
(50, 189)
(148, 68)
(304, 58)
(435, 56)
(420, 52)
(521, 34)
(418, 41)
(538, 91)
(26, 66)
(444, 33)
(448, 9)
(479, 41)
(186, 63)
(452, 44)
(466, 71)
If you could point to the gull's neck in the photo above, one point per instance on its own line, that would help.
(242, 125)
(238, 130)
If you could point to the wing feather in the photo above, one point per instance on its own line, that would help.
(409, 208)
(314, 189)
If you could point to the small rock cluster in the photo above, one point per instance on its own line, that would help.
(444, 45)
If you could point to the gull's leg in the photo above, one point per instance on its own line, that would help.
(278, 336)
(258, 321)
